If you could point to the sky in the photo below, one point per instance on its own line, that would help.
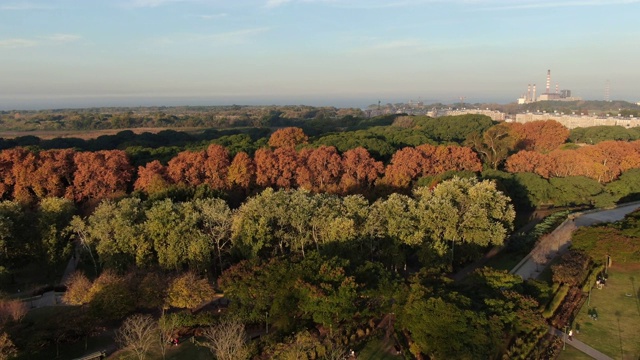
(86, 53)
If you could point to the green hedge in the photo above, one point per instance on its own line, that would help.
(556, 302)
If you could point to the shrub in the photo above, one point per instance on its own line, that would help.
(556, 302)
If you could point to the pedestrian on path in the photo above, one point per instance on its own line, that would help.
(570, 334)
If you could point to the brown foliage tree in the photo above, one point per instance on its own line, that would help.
(187, 168)
(288, 137)
(406, 165)
(320, 169)
(101, 174)
(152, 178)
(542, 136)
(527, 161)
(17, 167)
(54, 174)
(360, 170)
(216, 166)
(266, 167)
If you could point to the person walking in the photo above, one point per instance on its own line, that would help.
(570, 334)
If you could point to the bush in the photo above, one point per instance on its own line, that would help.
(556, 302)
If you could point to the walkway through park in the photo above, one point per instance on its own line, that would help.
(580, 345)
(559, 240)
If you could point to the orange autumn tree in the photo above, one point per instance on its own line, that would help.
(320, 169)
(216, 166)
(186, 168)
(55, 173)
(101, 174)
(288, 137)
(17, 167)
(359, 170)
(152, 178)
(405, 166)
(542, 136)
(266, 167)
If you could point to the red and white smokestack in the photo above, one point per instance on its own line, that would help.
(557, 89)
(548, 81)
(528, 98)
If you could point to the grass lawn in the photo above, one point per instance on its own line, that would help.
(376, 349)
(617, 330)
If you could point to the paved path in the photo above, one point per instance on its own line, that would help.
(528, 268)
(580, 345)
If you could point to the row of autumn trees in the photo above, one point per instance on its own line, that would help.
(289, 162)
(205, 234)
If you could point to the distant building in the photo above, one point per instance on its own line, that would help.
(575, 121)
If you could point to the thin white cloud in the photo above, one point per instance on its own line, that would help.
(224, 38)
(482, 4)
(211, 16)
(61, 38)
(276, 3)
(53, 39)
(559, 4)
(17, 43)
(25, 6)
(153, 3)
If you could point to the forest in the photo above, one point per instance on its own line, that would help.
(328, 234)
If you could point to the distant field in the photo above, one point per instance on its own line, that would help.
(616, 332)
(89, 134)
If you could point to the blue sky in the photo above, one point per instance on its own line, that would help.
(77, 53)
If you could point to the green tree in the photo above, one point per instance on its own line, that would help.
(494, 145)
(54, 215)
(114, 230)
(465, 211)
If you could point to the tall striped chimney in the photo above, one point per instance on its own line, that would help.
(548, 81)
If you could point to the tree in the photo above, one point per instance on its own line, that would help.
(216, 166)
(165, 328)
(288, 137)
(115, 230)
(78, 286)
(137, 334)
(360, 170)
(226, 340)
(101, 174)
(320, 169)
(7, 349)
(494, 144)
(542, 136)
(173, 229)
(189, 291)
(242, 172)
(406, 165)
(465, 211)
(111, 296)
(54, 174)
(54, 215)
(152, 178)
(187, 169)
(216, 224)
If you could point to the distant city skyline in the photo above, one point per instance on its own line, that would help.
(74, 53)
